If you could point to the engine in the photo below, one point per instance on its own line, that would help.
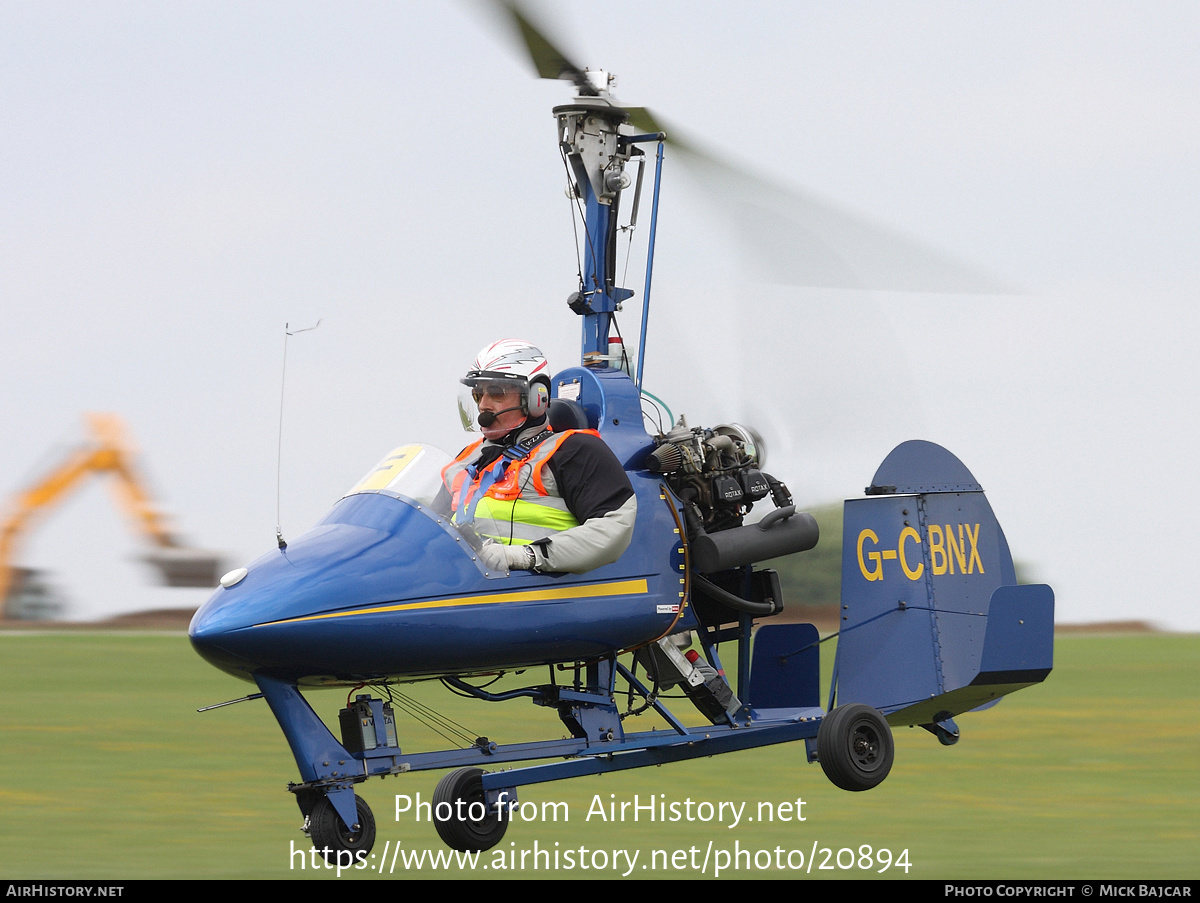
(718, 470)
(718, 475)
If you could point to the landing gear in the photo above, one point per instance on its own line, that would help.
(330, 837)
(854, 746)
(471, 826)
(946, 736)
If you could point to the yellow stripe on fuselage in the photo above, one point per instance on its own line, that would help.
(590, 590)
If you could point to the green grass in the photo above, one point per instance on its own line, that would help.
(108, 772)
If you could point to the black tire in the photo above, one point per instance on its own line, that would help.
(330, 836)
(464, 829)
(854, 746)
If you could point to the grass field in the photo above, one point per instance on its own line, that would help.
(109, 772)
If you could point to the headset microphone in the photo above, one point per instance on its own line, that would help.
(487, 418)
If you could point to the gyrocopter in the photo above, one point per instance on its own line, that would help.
(388, 588)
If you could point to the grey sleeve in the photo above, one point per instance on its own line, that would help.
(595, 542)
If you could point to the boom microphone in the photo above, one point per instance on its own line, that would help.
(487, 418)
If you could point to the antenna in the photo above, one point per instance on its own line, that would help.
(287, 331)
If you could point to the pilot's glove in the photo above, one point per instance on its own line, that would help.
(499, 557)
(494, 556)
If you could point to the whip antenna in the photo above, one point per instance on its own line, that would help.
(287, 331)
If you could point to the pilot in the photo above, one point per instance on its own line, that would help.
(541, 500)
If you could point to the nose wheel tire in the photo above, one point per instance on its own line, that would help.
(461, 814)
(333, 840)
(854, 746)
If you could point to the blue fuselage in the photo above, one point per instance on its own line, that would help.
(385, 588)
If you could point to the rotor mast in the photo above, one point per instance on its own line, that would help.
(590, 140)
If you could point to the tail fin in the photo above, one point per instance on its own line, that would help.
(933, 621)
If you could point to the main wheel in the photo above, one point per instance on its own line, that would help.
(330, 836)
(854, 746)
(461, 813)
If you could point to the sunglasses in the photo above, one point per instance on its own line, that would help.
(494, 391)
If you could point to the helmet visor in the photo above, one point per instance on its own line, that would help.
(483, 393)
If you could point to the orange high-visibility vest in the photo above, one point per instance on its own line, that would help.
(508, 501)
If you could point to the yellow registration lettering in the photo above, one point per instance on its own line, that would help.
(975, 559)
(910, 572)
(956, 550)
(937, 550)
(953, 548)
(875, 573)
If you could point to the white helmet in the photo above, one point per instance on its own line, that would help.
(514, 363)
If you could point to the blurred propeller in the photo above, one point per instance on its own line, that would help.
(798, 238)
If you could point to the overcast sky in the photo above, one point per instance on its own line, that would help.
(178, 181)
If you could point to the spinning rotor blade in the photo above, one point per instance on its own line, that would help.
(803, 240)
(797, 237)
(549, 61)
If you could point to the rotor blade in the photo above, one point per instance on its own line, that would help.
(796, 236)
(549, 61)
(803, 240)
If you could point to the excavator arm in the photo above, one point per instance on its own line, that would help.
(107, 452)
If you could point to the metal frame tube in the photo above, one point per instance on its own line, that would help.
(649, 264)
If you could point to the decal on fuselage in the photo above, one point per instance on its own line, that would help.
(953, 548)
(637, 587)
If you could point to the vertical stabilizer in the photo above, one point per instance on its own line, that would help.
(933, 621)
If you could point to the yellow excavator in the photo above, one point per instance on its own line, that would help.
(106, 452)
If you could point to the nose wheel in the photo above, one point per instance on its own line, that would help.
(333, 840)
(854, 746)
